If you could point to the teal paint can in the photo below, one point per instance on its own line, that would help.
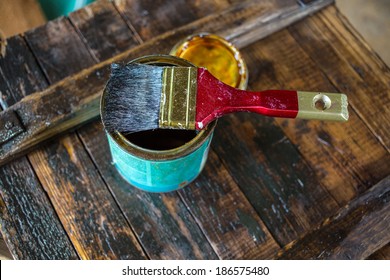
(57, 8)
(160, 160)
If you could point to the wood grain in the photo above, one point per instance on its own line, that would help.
(280, 169)
(103, 30)
(88, 212)
(225, 215)
(28, 222)
(19, 74)
(53, 46)
(163, 16)
(355, 232)
(273, 175)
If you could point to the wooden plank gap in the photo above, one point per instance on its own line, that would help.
(129, 24)
(83, 39)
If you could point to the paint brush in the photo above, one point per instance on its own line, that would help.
(142, 97)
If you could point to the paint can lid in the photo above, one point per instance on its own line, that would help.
(216, 54)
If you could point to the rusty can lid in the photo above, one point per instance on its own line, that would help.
(216, 54)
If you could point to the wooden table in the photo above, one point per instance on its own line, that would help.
(272, 188)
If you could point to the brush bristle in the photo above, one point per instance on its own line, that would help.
(132, 99)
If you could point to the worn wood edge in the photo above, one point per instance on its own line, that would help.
(382, 254)
(5, 253)
(87, 106)
(254, 30)
(357, 230)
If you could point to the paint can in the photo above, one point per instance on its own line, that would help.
(160, 160)
(167, 160)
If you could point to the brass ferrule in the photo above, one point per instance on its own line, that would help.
(322, 106)
(178, 98)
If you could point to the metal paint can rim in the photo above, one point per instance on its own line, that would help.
(158, 155)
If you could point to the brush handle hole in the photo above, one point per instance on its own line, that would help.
(322, 102)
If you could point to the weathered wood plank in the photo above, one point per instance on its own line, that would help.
(225, 215)
(355, 232)
(272, 174)
(19, 75)
(337, 152)
(86, 208)
(48, 43)
(29, 223)
(351, 65)
(103, 29)
(163, 15)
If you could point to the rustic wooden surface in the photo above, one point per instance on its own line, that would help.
(268, 183)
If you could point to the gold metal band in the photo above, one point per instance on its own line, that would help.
(322, 106)
(178, 98)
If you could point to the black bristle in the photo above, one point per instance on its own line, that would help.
(132, 98)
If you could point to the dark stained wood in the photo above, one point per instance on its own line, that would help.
(19, 75)
(272, 174)
(53, 46)
(29, 224)
(86, 208)
(351, 65)
(225, 215)
(162, 223)
(103, 29)
(355, 232)
(59, 108)
(336, 152)
(267, 181)
(163, 16)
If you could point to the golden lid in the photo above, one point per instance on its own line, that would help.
(216, 54)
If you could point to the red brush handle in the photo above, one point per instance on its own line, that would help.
(215, 99)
